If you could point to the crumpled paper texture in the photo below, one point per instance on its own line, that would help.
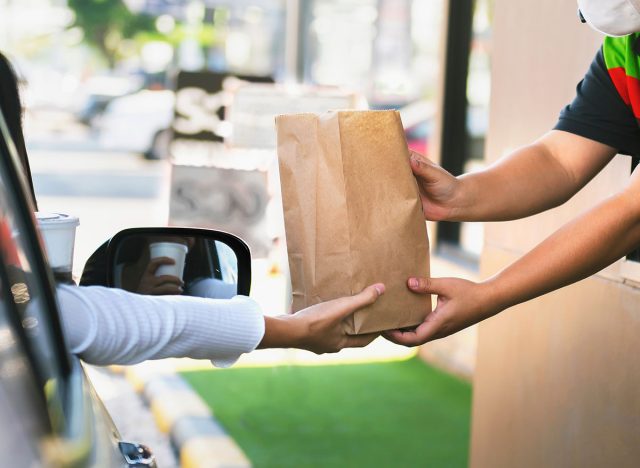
(352, 214)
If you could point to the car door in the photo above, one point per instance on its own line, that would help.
(23, 415)
(49, 415)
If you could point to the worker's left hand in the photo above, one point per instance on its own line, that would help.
(461, 303)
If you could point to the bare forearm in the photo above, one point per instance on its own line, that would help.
(532, 179)
(576, 251)
(526, 182)
(279, 332)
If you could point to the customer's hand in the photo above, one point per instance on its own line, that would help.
(437, 187)
(319, 328)
(461, 303)
(159, 285)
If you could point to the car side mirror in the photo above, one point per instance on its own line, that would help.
(172, 260)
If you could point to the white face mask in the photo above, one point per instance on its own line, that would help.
(612, 17)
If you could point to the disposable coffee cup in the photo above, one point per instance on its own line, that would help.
(58, 232)
(173, 250)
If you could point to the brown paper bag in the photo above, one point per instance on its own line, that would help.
(352, 214)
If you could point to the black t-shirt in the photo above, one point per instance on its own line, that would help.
(599, 113)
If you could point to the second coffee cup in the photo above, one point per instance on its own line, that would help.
(174, 250)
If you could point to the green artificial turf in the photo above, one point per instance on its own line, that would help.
(393, 414)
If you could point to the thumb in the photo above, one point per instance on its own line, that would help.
(366, 297)
(426, 285)
(421, 166)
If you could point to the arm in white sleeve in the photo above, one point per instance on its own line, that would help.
(211, 287)
(111, 326)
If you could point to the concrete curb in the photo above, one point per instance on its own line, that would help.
(178, 410)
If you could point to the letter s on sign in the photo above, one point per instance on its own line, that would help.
(192, 114)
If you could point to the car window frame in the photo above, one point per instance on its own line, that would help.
(23, 208)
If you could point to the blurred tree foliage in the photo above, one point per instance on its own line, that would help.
(106, 23)
(205, 35)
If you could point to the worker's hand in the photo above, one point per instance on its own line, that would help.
(461, 303)
(319, 328)
(159, 285)
(437, 187)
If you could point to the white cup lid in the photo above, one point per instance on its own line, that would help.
(49, 219)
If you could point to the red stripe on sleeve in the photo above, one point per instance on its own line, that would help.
(633, 85)
(628, 87)
(619, 77)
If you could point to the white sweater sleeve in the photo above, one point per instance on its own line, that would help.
(111, 326)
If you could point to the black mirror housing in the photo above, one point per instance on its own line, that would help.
(158, 260)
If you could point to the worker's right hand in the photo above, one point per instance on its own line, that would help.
(438, 188)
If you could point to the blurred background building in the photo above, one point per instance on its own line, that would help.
(95, 61)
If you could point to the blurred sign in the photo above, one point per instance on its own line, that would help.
(230, 200)
(393, 54)
(254, 107)
(200, 103)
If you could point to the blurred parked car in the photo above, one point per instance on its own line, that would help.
(138, 123)
(97, 92)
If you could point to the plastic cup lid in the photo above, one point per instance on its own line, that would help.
(56, 218)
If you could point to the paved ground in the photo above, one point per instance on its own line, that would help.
(131, 415)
